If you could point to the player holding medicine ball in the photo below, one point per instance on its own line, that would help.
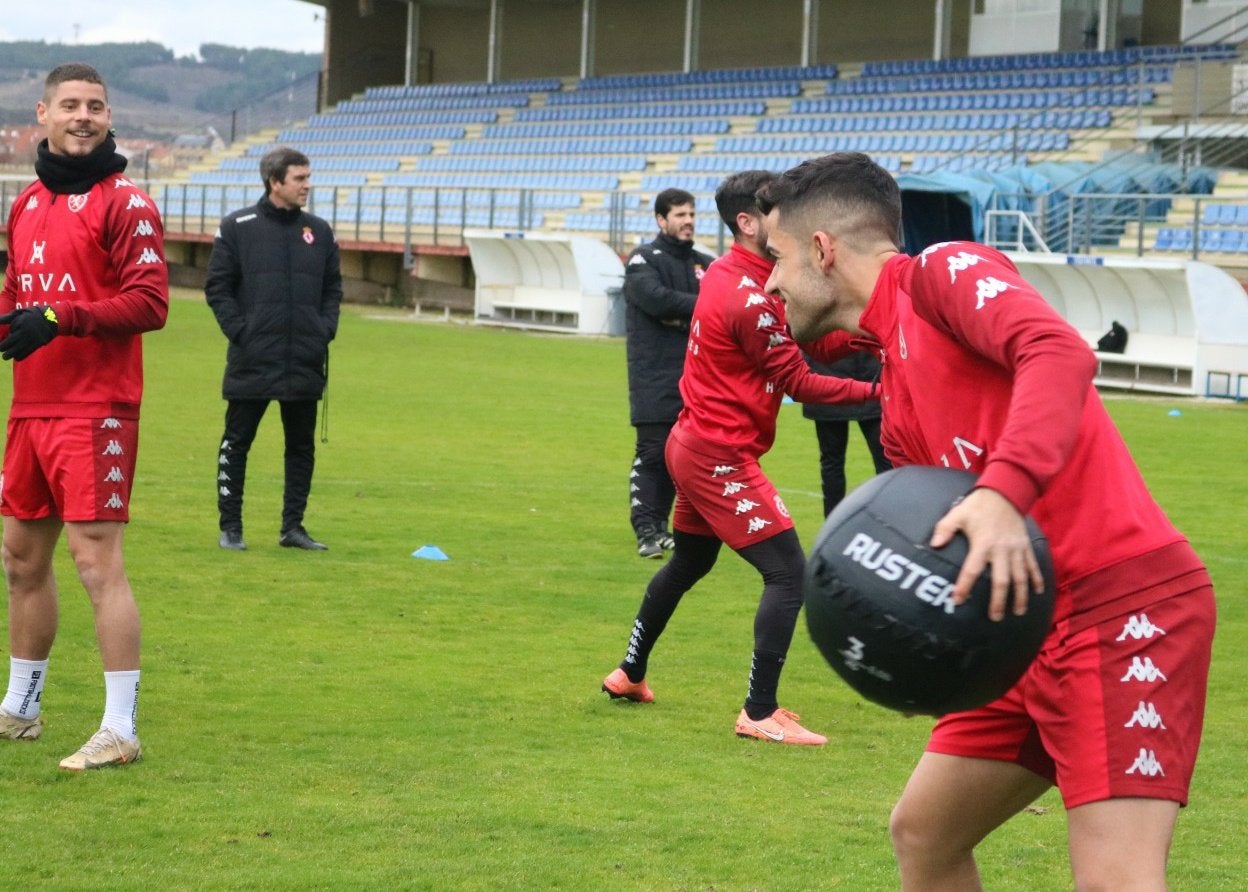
(979, 372)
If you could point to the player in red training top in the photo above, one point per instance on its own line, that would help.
(86, 276)
(740, 363)
(979, 372)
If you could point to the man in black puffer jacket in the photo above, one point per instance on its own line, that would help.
(660, 288)
(275, 286)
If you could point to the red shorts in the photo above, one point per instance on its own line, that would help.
(1109, 711)
(723, 494)
(74, 469)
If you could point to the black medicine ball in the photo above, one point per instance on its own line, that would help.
(879, 608)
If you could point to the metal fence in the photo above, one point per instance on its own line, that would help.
(1197, 226)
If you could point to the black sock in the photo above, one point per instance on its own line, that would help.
(765, 668)
(693, 558)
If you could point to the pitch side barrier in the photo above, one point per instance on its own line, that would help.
(1186, 321)
(544, 281)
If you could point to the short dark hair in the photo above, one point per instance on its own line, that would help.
(736, 194)
(846, 192)
(71, 71)
(275, 163)
(670, 198)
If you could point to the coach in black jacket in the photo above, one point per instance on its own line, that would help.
(660, 287)
(275, 286)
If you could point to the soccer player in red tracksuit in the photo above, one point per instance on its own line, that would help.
(740, 363)
(86, 275)
(979, 372)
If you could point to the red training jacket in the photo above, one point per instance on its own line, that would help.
(98, 260)
(981, 373)
(741, 360)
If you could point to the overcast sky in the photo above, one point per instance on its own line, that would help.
(181, 25)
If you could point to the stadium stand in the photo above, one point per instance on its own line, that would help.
(545, 152)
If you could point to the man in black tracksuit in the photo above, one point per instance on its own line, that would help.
(660, 288)
(275, 286)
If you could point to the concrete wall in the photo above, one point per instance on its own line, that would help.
(639, 36)
(742, 33)
(872, 32)
(363, 50)
(459, 41)
(541, 38)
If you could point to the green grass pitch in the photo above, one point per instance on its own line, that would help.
(364, 719)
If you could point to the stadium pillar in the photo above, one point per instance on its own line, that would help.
(495, 41)
(693, 15)
(810, 32)
(588, 11)
(413, 44)
(942, 30)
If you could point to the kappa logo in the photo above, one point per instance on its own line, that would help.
(723, 470)
(148, 256)
(963, 260)
(747, 282)
(110, 424)
(1138, 627)
(223, 476)
(633, 487)
(136, 201)
(636, 259)
(114, 475)
(32, 203)
(987, 289)
(757, 525)
(634, 474)
(732, 487)
(122, 181)
(635, 503)
(1145, 716)
(1146, 763)
(224, 490)
(931, 249)
(765, 320)
(223, 460)
(755, 299)
(744, 506)
(36, 251)
(115, 502)
(145, 227)
(77, 202)
(775, 340)
(113, 448)
(1143, 670)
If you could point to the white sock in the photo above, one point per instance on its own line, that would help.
(121, 702)
(26, 678)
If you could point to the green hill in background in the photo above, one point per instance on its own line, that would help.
(153, 92)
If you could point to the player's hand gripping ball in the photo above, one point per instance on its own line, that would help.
(879, 600)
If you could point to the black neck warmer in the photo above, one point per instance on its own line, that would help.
(284, 215)
(73, 174)
(676, 247)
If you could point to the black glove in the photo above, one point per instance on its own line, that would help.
(29, 329)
